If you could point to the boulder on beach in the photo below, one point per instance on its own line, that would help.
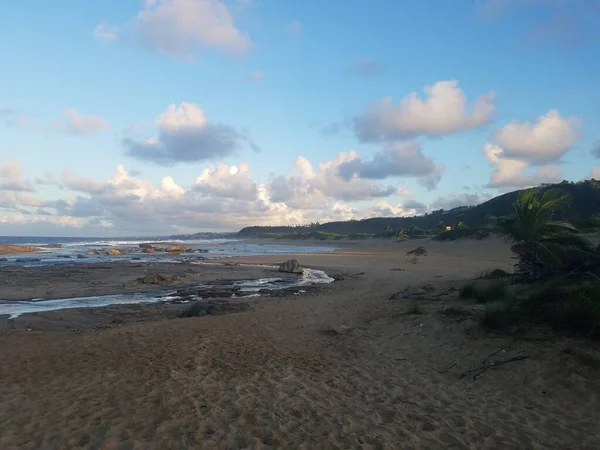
(149, 250)
(113, 252)
(175, 249)
(291, 266)
(92, 253)
(14, 249)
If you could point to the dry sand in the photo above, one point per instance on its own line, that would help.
(273, 378)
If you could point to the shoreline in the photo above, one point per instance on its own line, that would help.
(364, 362)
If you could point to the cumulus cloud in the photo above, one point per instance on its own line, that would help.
(383, 208)
(78, 124)
(400, 159)
(517, 173)
(11, 177)
(541, 142)
(179, 28)
(595, 173)
(307, 188)
(186, 135)
(221, 198)
(365, 67)
(454, 201)
(443, 111)
(227, 182)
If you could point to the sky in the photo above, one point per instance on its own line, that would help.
(153, 117)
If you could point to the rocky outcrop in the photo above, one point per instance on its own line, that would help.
(113, 252)
(149, 250)
(291, 266)
(157, 278)
(13, 249)
(175, 249)
(214, 307)
(92, 253)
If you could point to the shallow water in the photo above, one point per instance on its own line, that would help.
(251, 287)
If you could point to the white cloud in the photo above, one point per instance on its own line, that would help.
(400, 159)
(595, 173)
(179, 28)
(544, 141)
(444, 111)
(221, 198)
(516, 173)
(307, 188)
(453, 201)
(228, 182)
(78, 124)
(186, 135)
(11, 176)
(384, 208)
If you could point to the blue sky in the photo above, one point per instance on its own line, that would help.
(286, 112)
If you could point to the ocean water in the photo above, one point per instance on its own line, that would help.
(71, 247)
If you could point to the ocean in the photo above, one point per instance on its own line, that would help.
(70, 247)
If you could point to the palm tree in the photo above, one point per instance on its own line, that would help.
(543, 246)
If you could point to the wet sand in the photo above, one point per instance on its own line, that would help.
(276, 377)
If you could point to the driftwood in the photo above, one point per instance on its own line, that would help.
(413, 254)
(490, 366)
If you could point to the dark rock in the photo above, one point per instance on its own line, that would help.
(291, 266)
(136, 258)
(157, 278)
(145, 245)
(339, 329)
(409, 293)
(63, 256)
(80, 256)
(337, 277)
(3, 259)
(26, 260)
(214, 307)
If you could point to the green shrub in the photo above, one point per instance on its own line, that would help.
(484, 292)
(570, 307)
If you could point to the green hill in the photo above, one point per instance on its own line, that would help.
(585, 194)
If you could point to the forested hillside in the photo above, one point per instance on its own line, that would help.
(585, 202)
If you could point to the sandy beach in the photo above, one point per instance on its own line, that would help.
(277, 377)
